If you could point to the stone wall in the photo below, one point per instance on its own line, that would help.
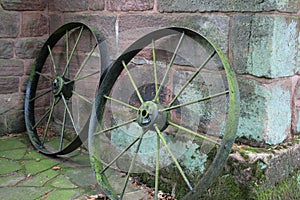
(23, 30)
(261, 39)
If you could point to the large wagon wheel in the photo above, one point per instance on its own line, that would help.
(165, 117)
(62, 87)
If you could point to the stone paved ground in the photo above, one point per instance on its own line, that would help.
(26, 174)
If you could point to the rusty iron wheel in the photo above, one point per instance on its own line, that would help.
(165, 117)
(62, 86)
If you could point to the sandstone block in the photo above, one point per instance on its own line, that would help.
(24, 5)
(68, 5)
(11, 67)
(28, 48)
(9, 24)
(265, 45)
(131, 5)
(34, 24)
(9, 85)
(214, 27)
(97, 5)
(6, 48)
(265, 110)
(227, 5)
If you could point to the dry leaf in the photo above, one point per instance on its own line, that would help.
(56, 168)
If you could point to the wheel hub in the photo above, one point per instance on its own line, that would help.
(62, 85)
(149, 115)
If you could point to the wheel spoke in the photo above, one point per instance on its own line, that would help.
(45, 76)
(63, 130)
(48, 123)
(201, 136)
(122, 152)
(40, 95)
(133, 83)
(70, 114)
(67, 45)
(173, 158)
(132, 164)
(52, 60)
(155, 67)
(45, 114)
(85, 76)
(192, 78)
(82, 97)
(157, 167)
(73, 50)
(169, 67)
(195, 101)
(121, 102)
(85, 61)
(116, 126)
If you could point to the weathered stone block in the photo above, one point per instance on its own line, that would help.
(24, 82)
(125, 5)
(9, 24)
(259, 173)
(296, 107)
(24, 5)
(55, 21)
(214, 27)
(11, 113)
(265, 45)
(28, 48)
(6, 48)
(11, 67)
(15, 122)
(9, 85)
(265, 110)
(68, 5)
(3, 129)
(227, 5)
(34, 24)
(97, 5)
(105, 23)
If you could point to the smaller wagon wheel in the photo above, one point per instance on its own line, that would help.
(165, 117)
(62, 87)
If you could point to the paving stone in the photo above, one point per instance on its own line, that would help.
(11, 143)
(15, 154)
(63, 182)
(81, 160)
(8, 166)
(77, 175)
(32, 154)
(64, 194)
(11, 180)
(40, 179)
(24, 193)
(36, 166)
